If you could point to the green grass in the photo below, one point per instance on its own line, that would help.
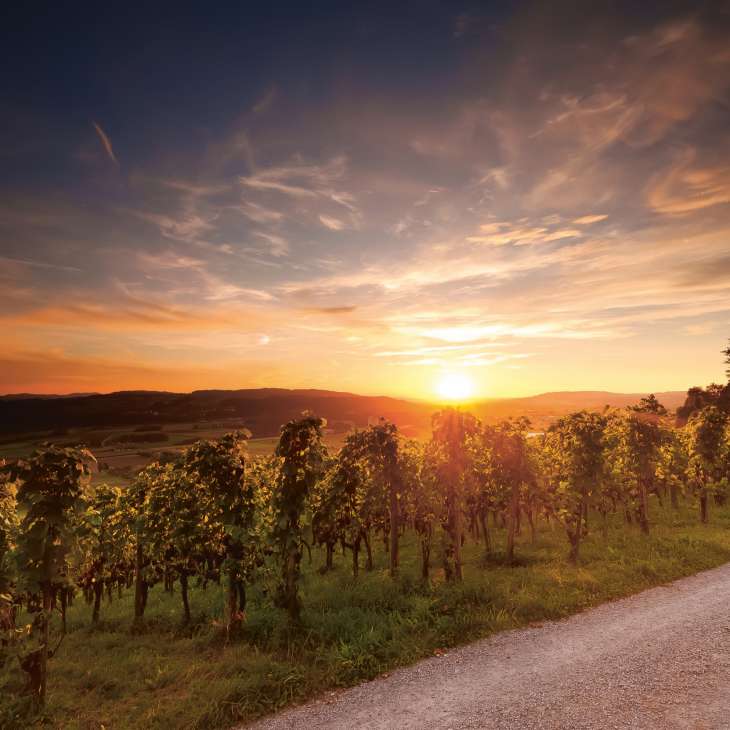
(164, 677)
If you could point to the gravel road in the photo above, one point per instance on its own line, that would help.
(659, 659)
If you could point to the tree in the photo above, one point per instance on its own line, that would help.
(573, 462)
(302, 456)
(726, 352)
(177, 530)
(490, 490)
(671, 465)
(508, 444)
(382, 452)
(650, 404)
(451, 430)
(8, 532)
(105, 547)
(135, 504)
(340, 504)
(218, 468)
(706, 432)
(51, 495)
(633, 441)
(533, 497)
(422, 496)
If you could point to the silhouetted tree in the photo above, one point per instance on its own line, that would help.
(650, 404)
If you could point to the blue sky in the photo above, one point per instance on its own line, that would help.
(366, 198)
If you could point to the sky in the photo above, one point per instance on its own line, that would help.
(368, 197)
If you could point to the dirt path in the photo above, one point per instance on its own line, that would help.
(660, 659)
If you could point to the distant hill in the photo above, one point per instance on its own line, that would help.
(42, 396)
(547, 406)
(263, 410)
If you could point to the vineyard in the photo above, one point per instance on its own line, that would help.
(233, 584)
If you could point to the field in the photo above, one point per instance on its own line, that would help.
(164, 676)
(119, 460)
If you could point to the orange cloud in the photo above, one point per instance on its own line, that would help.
(56, 372)
(143, 317)
(686, 188)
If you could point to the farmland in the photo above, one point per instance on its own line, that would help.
(119, 460)
(164, 675)
(200, 577)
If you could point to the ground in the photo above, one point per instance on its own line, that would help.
(119, 461)
(169, 676)
(660, 659)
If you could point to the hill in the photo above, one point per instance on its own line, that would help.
(263, 410)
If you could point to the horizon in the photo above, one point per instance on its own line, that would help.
(435, 400)
(488, 201)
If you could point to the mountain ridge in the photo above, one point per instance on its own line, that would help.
(263, 410)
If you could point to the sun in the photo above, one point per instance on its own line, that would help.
(455, 387)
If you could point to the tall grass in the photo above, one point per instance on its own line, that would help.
(166, 677)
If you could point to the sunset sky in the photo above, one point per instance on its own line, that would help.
(366, 198)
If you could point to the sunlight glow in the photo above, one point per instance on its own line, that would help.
(455, 387)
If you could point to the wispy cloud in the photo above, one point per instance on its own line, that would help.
(589, 220)
(265, 102)
(333, 224)
(503, 233)
(106, 143)
(569, 196)
(277, 245)
(39, 264)
(686, 187)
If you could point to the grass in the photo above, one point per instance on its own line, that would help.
(166, 677)
(128, 449)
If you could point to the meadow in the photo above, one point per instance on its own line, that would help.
(121, 459)
(163, 674)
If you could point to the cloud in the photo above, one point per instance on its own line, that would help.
(195, 190)
(39, 264)
(588, 220)
(106, 143)
(136, 317)
(259, 213)
(698, 330)
(170, 260)
(278, 246)
(571, 186)
(60, 371)
(187, 228)
(265, 102)
(686, 187)
(209, 286)
(300, 179)
(705, 272)
(332, 223)
(502, 233)
(334, 310)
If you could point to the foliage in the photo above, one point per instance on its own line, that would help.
(573, 467)
(706, 450)
(212, 514)
(671, 465)
(344, 509)
(450, 455)
(302, 458)
(104, 555)
(507, 470)
(650, 404)
(633, 441)
(8, 532)
(161, 678)
(218, 469)
(51, 496)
